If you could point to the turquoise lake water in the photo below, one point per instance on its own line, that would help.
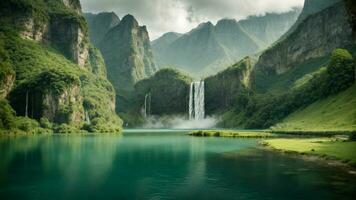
(155, 164)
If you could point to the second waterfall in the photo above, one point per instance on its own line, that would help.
(196, 100)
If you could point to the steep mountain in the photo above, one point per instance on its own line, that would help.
(310, 7)
(127, 53)
(195, 50)
(313, 39)
(50, 71)
(208, 48)
(100, 24)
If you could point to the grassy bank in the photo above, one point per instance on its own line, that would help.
(335, 113)
(236, 134)
(340, 150)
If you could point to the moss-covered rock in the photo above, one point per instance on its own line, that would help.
(169, 92)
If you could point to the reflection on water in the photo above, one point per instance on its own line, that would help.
(159, 165)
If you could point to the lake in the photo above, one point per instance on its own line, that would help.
(160, 164)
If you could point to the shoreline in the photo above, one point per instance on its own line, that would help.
(327, 159)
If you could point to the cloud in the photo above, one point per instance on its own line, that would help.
(162, 16)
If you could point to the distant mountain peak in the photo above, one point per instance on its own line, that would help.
(226, 21)
(129, 19)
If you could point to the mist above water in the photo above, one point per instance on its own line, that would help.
(179, 122)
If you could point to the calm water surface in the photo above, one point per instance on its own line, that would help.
(160, 165)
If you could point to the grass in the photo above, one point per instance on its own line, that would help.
(335, 113)
(335, 149)
(228, 133)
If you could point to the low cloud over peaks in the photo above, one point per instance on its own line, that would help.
(162, 16)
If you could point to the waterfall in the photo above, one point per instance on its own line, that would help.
(87, 118)
(196, 100)
(147, 105)
(26, 106)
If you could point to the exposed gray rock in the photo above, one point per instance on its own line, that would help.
(315, 37)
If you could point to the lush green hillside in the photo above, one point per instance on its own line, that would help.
(265, 110)
(60, 79)
(169, 92)
(335, 113)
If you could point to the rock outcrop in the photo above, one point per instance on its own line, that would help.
(60, 76)
(71, 38)
(127, 53)
(7, 80)
(63, 30)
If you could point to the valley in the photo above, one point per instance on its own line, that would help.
(94, 104)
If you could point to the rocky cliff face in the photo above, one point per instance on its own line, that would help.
(64, 80)
(100, 24)
(70, 38)
(6, 83)
(73, 4)
(66, 107)
(315, 37)
(58, 23)
(222, 90)
(310, 7)
(127, 52)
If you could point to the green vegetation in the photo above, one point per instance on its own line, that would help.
(235, 134)
(43, 71)
(228, 88)
(265, 110)
(326, 148)
(335, 113)
(278, 84)
(169, 90)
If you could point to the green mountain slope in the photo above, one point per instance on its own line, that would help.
(335, 113)
(304, 49)
(60, 78)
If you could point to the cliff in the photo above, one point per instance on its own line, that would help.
(128, 55)
(316, 37)
(60, 77)
(224, 89)
(58, 23)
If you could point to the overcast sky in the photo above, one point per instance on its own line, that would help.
(161, 16)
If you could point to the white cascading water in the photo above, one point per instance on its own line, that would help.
(87, 118)
(147, 106)
(196, 100)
